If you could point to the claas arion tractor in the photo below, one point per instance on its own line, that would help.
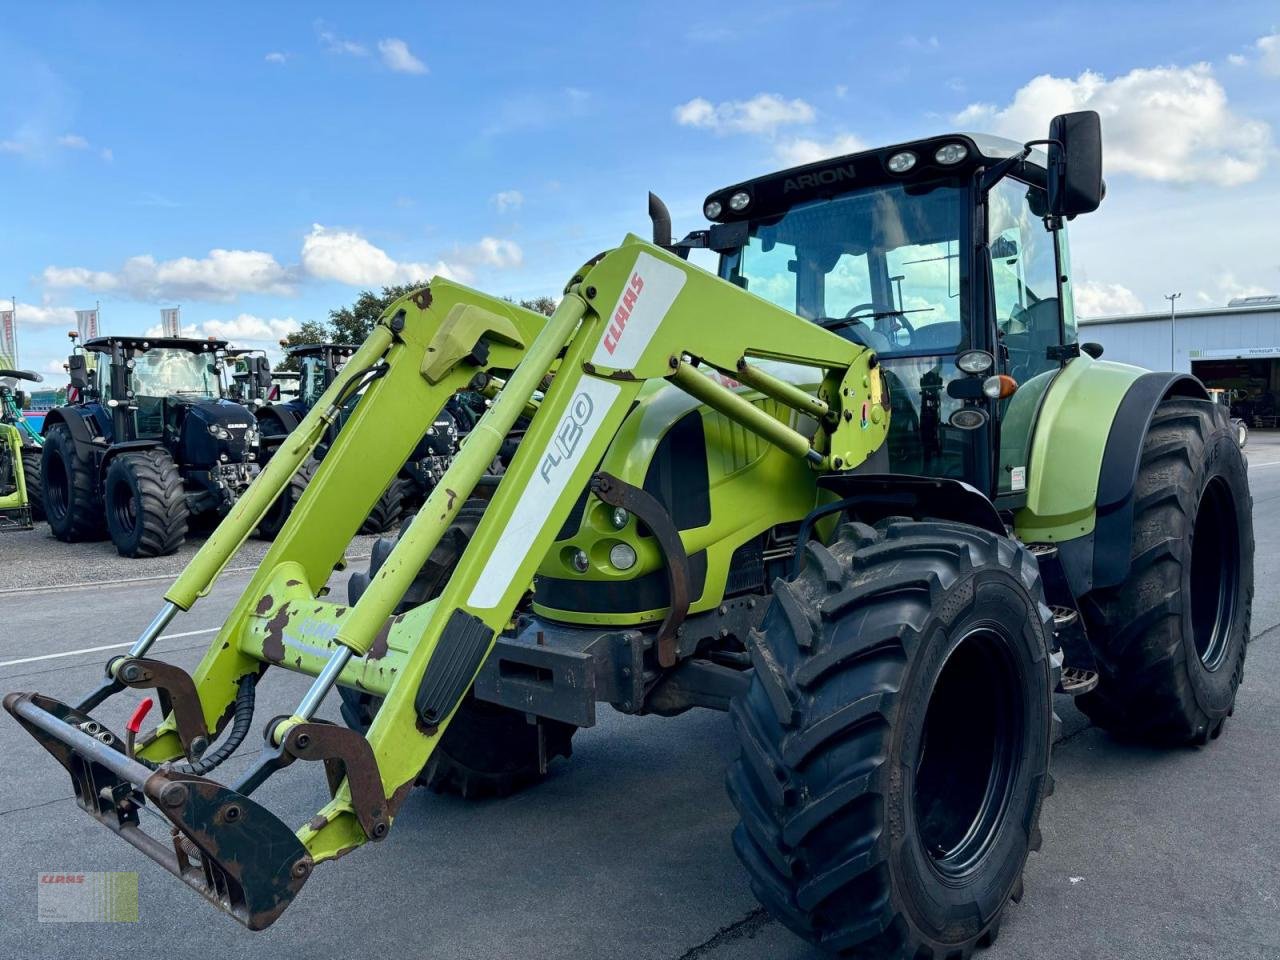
(20, 501)
(861, 488)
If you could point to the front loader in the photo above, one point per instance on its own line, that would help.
(861, 488)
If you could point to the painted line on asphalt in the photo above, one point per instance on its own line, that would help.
(1270, 463)
(105, 646)
(82, 584)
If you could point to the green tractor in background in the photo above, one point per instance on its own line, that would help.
(20, 500)
(720, 500)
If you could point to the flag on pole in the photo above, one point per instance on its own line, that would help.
(8, 341)
(87, 323)
(170, 321)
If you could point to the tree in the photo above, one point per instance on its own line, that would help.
(354, 323)
(311, 331)
(543, 305)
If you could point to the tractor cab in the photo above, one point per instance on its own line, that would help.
(318, 365)
(947, 256)
(249, 377)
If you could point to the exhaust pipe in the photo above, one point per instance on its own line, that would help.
(661, 218)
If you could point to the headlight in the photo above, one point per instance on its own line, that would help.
(975, 361)
(618, 518)
(902, 162)
(581, 562)
(739, 200)
(951, 153)
(622, 556)
(712, 209)
(968, 419)
(218, 431)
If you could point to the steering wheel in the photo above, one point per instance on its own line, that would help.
(897, 321)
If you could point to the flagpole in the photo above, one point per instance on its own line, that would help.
(13, 306)
(97, 313)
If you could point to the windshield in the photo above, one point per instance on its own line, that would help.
(880, 266)
(163, 371)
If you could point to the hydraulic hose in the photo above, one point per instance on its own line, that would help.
(241, 721)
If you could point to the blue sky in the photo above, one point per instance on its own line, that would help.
(258, 164)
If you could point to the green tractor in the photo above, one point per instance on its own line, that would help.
(716, 503)
(20, 501)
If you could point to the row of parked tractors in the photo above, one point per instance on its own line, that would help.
(162, 434)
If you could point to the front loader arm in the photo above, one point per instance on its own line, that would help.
(634, 315)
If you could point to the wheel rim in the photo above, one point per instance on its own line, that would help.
(968, 755)
(1215, 573)
(123, 508)
(56, 482)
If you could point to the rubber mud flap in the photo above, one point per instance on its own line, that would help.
(457, 657)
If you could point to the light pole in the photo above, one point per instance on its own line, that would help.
(1171, 297)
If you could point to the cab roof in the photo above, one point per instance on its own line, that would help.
(194, 344)
(774, 193)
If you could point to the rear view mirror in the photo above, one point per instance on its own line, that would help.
(78, 371)
(1075, 163)
(261, 371)
(22, 399)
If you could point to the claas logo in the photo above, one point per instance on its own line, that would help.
(623, 313)
(62, 878)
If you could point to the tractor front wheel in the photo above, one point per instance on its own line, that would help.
(487, 750)
(1170, 640)
(72, 502)
(388, 509)
(273, 521)
(146, 504)
(895, 740)
(31, 476)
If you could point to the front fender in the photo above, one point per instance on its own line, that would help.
(1083, 462)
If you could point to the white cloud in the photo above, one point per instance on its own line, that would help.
(1269, 54)
(221, 276)
(14, 146)
(243, 330)
(397, 56)
(801, 150)
(1104, 299)
(763, 113)
(507, 200)
(276, 56)
(1237, 59)
(45, 315)
(493, 252)
(345, 256)
(925, 44)
(73, 141)
(1170, 124)
(336, 44)
(56, 367)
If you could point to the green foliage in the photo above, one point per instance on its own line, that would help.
(352, 324)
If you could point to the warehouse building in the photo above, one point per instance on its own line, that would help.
(1235, 348)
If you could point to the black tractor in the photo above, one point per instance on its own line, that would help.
(146, 442)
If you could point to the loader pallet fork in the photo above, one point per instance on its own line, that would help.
(879, 535)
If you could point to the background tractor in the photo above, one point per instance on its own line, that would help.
(20, 501)
(146, 443)
(318, 366)
(715, 502)
(249, 380)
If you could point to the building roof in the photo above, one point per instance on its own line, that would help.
(1160, 315)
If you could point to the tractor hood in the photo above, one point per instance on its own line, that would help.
(216, 431)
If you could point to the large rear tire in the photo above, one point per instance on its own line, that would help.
(1170, 640)
(895, 740)
(274, 519)
(31, 457)
(146, 504)
(72, 500)
(487, 750)
(388, 509)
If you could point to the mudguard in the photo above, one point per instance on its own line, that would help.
(77, 422)
(1083, 463)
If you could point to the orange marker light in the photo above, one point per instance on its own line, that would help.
(1000, 386)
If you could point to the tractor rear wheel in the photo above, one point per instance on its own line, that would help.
(388, 509)
(31, 476)
(273, 522)
(146, 504)
(895, 740)
(1170, 640)
(72, 501)
(487, 750)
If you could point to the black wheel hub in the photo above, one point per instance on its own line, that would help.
(1215, 573)
(968, 756)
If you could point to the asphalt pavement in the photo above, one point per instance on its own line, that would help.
(624, 850)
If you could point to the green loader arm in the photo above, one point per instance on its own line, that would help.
(634, 315)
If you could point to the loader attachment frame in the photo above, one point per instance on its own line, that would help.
(631, 317)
